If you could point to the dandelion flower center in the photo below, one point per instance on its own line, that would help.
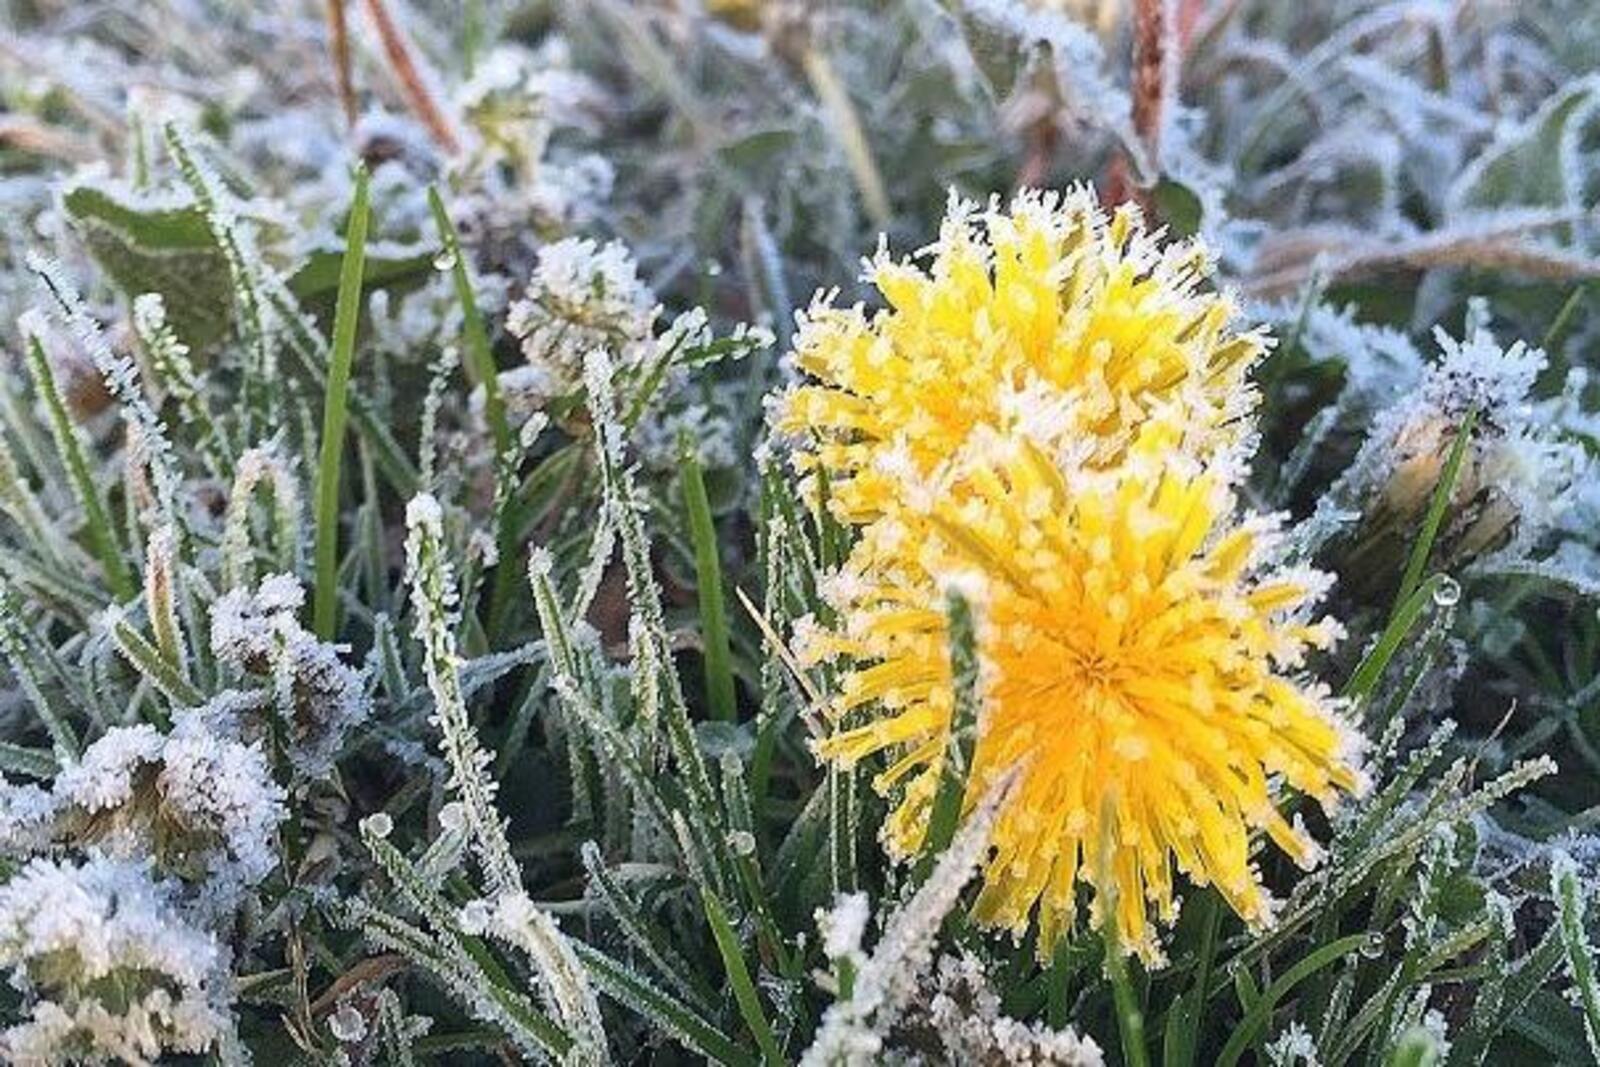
(1139, 661)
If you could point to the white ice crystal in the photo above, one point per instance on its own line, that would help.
(854, 1031)
(962, 1007)
(347, 1023)
(844, 925)
(26, 815)
(1294, 1047)
(107, 969)
(319, 696)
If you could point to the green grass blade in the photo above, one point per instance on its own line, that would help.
(479, 358)
(310, 350)
(481, 368)
(708, 580)
(1569, 307)
(946, 811)
(744, 990)
(335, 411)
(1256, 1018)
(1130, 1016)
(1372, 666)
(1186, 1016)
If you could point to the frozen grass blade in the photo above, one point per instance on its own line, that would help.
(1570, 893)
(149, 661)
(260, 467)
(215, 203)
(434, 599)
(15, 646)
(845, 125)
(347, 313)
(69, 446)
(635, 993)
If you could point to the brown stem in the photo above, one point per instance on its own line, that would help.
(339, 43)
(405, 69)
(1149, 73)
(371, 969)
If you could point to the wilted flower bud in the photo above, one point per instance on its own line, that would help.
(1513, 475)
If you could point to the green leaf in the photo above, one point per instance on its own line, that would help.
(319, 275)
(170, 251)
(1178, 206)
(1525, 167)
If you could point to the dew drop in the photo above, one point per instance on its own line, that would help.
(1447, 594)
(714, 269)
(445, 260)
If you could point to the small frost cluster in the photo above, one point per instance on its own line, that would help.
(521, 102)
(582, 296)
(899, 989)
(961, 1007)
(318, 695)
(202, 806)
(585, 297)
(107, 969)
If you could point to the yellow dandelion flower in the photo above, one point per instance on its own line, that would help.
(1052, 317)
(1140, 662)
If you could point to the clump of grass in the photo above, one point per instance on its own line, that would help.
(453, 608)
